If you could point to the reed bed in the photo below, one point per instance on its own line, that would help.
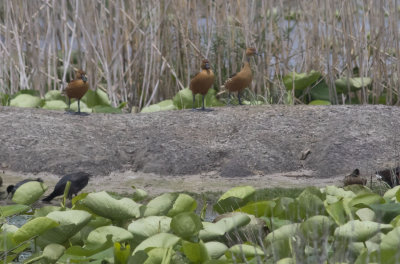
(144, 51)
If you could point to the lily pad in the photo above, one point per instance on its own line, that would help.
(163, 240)
(186, 225)
(354, 84)
(234, 198)
(14, 209)
(102, 204)
(262, 208)
(29, 192)
(165, 105)
(215, 249)
(360, 231)
(146, 227)
(213, 231)
(300, 81)
(26, 100)
(33, 228)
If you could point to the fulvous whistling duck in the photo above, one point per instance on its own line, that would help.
(12, 188)
(202, 82)
(78, 181)
(354, 178)
(240, 80)
(77, 89)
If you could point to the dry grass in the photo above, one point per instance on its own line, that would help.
(142, 52)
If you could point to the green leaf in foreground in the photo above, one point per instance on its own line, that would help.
(186, 225)
(234, 198)
(29, 192)
(33, 228)
(99, 235)
(25, 100)
(360, 231)
(300, 81)
(244, 252)
(195, 252)
(102, 204)
(14, 209)
(52, 252)
(163, 240)
(149, 226)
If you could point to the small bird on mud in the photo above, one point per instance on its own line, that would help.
(77, 89)
(354, 178)
(78, 181)
(12, 188)
(202, 82)
(237, 82)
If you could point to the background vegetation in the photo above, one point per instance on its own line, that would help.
(143, 52)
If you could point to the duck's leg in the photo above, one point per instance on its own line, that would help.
(240, 102)
(69, 111)
(229, 98)
(79, 110)
(194, 99)
(204, 108)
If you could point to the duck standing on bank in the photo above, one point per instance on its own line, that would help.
(237, 82)
(12, 188)
(202, 82)
(78, 181)
(77, 89)
(354, 178)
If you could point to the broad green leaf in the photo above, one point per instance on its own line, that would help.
(186, 225)
(309, 204)
(355, 84)
(29, 192)
(316, 227)
(389, 194)
(212, 231)
(319, 102)
(33, 228)
(70, 223)
(360, 231)
(45, 210)
(320, 92)
(163, 240)
(25, 100)
(139, 194)
(274, 223)
(262, 208)
(278, 242)
(244, 252)
(149, 226)
(160, 205)
(93, 98)
(367, 199)
(6, 235)
(184, 99)
(84, 107)
(183, 203)
(14, 209)
(391, 240)
(215, 249)
(281, 209)
(366, 214)
(338, 192)
(55, 105)
(337, 212)
(195, 252)
(282, 233)
(78, 254)
(102, 204)
(165, 105)
(234, 198)
(99, 235)
(300, 81)
(386, 212)
(106, 109)
(52, 252)
(54, 95)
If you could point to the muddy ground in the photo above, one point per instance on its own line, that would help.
(264, 146)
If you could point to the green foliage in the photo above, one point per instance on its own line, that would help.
(55, 105)
(354, 84)
(331, 224)
(25, 100)
(300, 81)
(29, 192)
(184, 99)
(319, 102)
(161, 106)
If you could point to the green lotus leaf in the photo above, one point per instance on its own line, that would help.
(25, 100)
(389, 194)
(386, 212)
(212, 231)
(261, 208)
(360, 231)
(70, 223)
(54, 95)
(93, 98)
(29, 192)
(79, 254)
(244, 252)
(163, 240)
(367, 199)
(282, 233)
(300, 81)
(195, 252)
(391, 240)
(282, 208)
(35, 227)
(165, 105)
(146, 227)
(183, 203)
(316, 227)
(102, 204)
(45, 210)
(234, 198)
(319, 102)
(99, 235)
(184, 99)
(160, 205)
(310, 204)
(274, 223)
(215, 249)
(139, 194)
(278, 242)
(55, 105)
(84, 107)
(52, 252)
(186, 225)
(6, 236)
(106, 109)
(366, 214)
(9, 210)
(320, 92)
(355, 84)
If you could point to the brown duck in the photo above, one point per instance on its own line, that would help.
(240, 80)
(202, 82)
(77, 89)
(354, 178)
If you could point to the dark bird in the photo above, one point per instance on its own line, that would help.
(390, 176)
(354, 178)
(202, 82)
(78, 181)
(12, 188)
(77, 89)
(237, 82)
